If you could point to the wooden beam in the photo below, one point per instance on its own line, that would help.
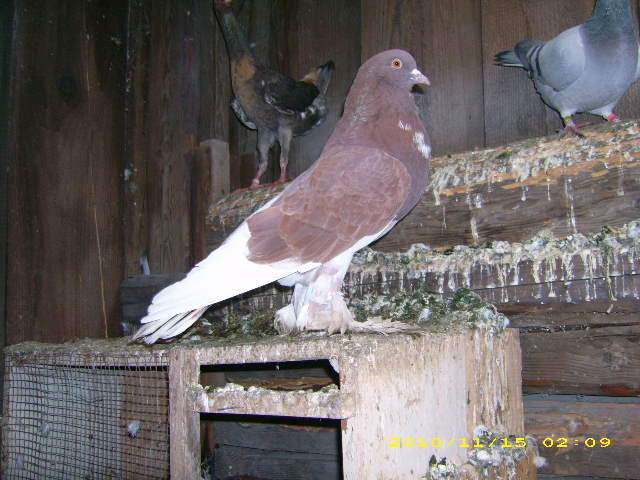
(592, 360)
(577, 419)
(508, 193)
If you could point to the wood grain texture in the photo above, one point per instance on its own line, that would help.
(577, 419)
(513, 110)
(445, 37)
(477, 372)
(184, 423)
(65, 170)
(177, 110)
(6, 69)
(601, 360)
(136, 145)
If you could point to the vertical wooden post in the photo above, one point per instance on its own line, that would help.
(184, 422)
(218, 152)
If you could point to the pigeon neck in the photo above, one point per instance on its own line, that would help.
(610, 16)
(233, 35)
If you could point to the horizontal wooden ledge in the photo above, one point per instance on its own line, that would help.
(236, 399)
(565, 185)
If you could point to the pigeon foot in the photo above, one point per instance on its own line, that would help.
(612, 117)
(573, 129)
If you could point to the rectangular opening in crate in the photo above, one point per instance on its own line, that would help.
(251, 446)
(311, 375)
(66, 418)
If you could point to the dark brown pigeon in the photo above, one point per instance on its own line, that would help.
(370, 174)
(275, 105)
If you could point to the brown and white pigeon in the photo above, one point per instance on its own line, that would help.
(587, 68)
(372, 171)
(275, 105)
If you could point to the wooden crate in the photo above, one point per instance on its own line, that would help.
(413, 391)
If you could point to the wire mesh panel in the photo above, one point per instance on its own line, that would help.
(85, 416)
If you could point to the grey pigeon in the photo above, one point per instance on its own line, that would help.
(586, 68)
(371, 173)
(275, 105)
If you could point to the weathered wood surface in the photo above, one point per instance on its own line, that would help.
(65, 168)
(6, 19)
(309, 33)
(179, 99)
(507, 193)
(577, 419)
(184, 423)
(589, 359)
(471, 369)
(263, 401)
(292, 451)
(472, 102)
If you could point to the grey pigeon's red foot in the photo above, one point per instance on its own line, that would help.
(571, 128)
(612, 117)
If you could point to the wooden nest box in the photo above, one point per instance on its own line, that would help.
(93, 409)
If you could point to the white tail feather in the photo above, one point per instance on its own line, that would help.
(224, 274)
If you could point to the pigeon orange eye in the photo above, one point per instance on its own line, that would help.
(396, 63)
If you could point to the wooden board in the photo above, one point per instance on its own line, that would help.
(445, 37)
(6, 19)
(65, 170)
(175, 110)
(593, 360)
(577, 419)
(276, 451)
(471, 369)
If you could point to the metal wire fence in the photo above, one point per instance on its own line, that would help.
(85, 413)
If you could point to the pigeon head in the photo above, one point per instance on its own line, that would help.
(396, 67)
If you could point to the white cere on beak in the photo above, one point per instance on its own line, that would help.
(419, 77)
(418, 139)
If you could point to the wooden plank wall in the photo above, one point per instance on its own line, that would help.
(472, 102)
(6, 18)
(65, 168)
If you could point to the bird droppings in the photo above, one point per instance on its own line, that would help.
(532, 161)
(408, 311)
(133, 427)
(403, 276)
(606, 254)
(441, 469)
(489, 457)
(465, 310)
(494, 459)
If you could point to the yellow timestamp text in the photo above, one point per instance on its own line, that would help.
(563, 442)
(437, 442)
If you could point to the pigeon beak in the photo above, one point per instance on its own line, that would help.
(419, 78)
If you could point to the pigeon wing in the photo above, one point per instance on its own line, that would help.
(350, 194)
(561, 61)
(288, 95)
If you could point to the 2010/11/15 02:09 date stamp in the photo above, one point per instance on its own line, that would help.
(504, 442)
